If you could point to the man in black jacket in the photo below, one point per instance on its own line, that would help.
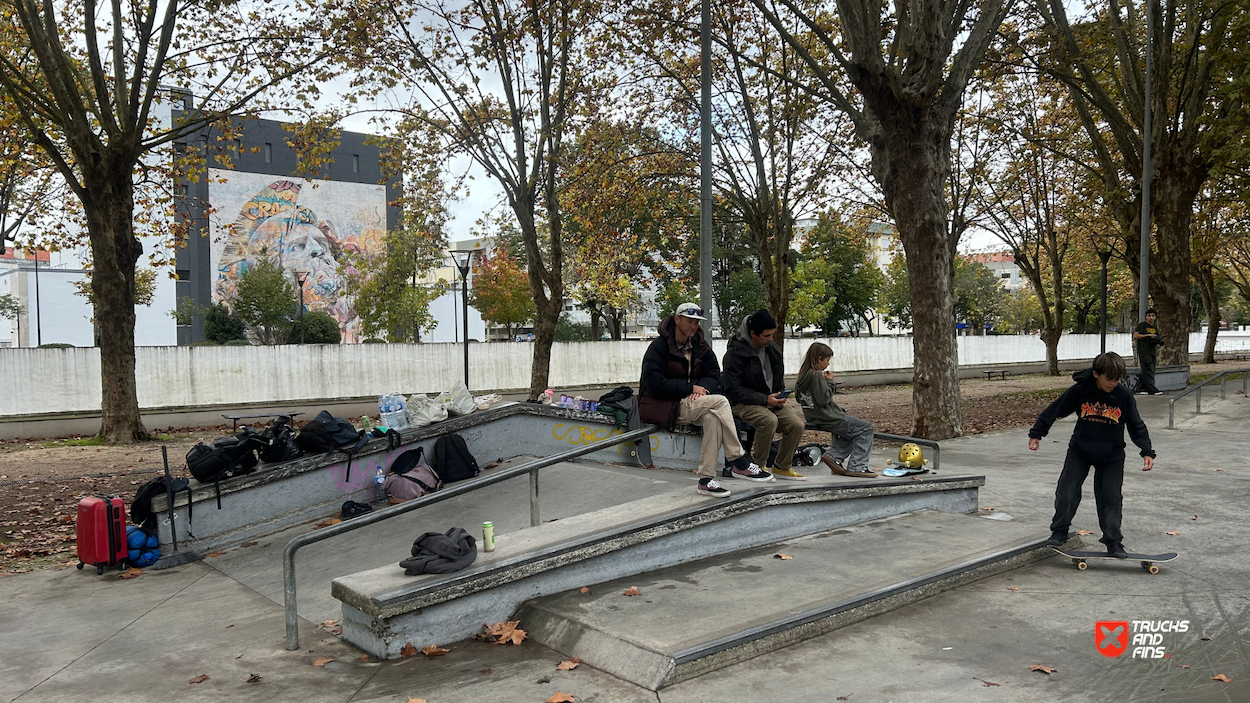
(754, 378)
(1104, 408)
(680, 382)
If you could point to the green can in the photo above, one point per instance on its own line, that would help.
(488, 536)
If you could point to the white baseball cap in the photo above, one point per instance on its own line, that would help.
(690, 310)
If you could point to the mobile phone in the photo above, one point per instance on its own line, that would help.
(785, 394)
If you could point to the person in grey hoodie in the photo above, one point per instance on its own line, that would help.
(852, 437)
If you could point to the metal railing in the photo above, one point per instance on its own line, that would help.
(1222, 377)
(531, 468)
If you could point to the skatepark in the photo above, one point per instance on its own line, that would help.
(896, 589)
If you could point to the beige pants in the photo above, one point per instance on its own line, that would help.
(711, 412)
(767, 422)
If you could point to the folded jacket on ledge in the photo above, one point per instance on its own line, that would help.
(433, 553)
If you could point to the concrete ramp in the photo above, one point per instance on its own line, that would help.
(693, 618)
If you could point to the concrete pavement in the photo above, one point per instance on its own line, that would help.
(70, 636)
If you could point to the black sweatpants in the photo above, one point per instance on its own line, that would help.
(1146, 376)
(1108, 482)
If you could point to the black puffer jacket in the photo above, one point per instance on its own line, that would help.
(667, 378)
(743, 373)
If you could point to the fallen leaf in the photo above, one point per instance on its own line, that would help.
(408, 650)
(985, 683)
(543, 680)
(1173, 533)
(329, 623)
(1205, 639)
(365, 658)
(847, 697)
(783, 557)
(336, 631)
(632, 591)
(322, 661)
(569, 665)
(132, 573)
(214, 554)
(433, 650)
(1219, 469)
(415, 700)
(249, 544)
(1043, 669)
(327, 523)
(583, 589)
(916, 478)
(561, 698)
(1084, 532)
(1221, 677)
(199, 679)
(1013, 588)
(1184, 666)
(254, 678)
(483, 671)
(1194, 517)
(505, 632)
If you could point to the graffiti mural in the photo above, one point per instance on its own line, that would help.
(298, 225)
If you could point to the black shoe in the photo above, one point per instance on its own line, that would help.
(1116, 549)
(1057, 539)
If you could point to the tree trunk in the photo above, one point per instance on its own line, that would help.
(594, 322)
(109, 210)
(1205, 277)
(1173, 206)
(912, 167)
(1050, 337)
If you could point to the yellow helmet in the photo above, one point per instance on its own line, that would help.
(910, 456)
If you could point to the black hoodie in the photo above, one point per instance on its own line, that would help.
(1101, 419)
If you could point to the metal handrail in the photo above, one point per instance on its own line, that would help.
(1245, 378)
(531, 468)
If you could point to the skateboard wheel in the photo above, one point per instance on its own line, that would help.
(1153, 569)
(1082, 565)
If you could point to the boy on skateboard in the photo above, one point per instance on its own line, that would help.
(1104, 408)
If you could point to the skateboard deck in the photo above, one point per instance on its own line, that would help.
(1148, 561)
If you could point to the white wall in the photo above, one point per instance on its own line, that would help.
(37, 381)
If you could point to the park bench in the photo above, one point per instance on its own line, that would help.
(1002, 373)
(234, 418)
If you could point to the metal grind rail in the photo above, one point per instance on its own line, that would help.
(1221, 377)
(531, 468)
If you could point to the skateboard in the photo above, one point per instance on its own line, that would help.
(1148, 561)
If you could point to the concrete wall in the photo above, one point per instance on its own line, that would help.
(40, 381)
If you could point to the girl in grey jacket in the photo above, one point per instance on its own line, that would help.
(852, 437)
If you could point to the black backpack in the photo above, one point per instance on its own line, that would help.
(225, 458)
(326, 433)
(452, 460)
(279, 442)
(616, 395)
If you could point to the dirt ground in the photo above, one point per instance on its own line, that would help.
(41, 481)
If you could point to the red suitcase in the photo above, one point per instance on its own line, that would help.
(101, 532)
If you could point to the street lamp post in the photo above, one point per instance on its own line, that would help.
(1102, 244)
(464, 262)
(301, 276)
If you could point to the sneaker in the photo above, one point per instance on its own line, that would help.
(1143, 392)
(753, 473)
(1057, 539)
(788, 474)
(866, 473)
(834, 466)
(1116, 549)
(712, 489)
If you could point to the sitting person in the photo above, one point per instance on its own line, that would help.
(852, 437)
(680, 378)
(754, 377)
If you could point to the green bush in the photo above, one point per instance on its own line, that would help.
(374, 340)
(237, 343)
(567, 331)
(56, 345)
(221, 326)
(319, 328)
(204, 344)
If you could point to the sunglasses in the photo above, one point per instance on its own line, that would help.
(692, 311)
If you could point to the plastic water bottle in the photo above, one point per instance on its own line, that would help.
(391, 408)
(379, 494)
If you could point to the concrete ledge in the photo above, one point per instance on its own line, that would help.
(383, 609)
(1167, 378)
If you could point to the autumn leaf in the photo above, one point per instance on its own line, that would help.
(987, 684)
(1013, 588)
(327, 523)
(1173, 533)
(132, 573)
(252, 544)
(505, 632)
(1221, 677)
(583, 589)
(561, 698)
(415, 700)
(632, 591)
(433, 650)
(783, 557)
(1184, 666)
(254, 678)
(365, 658)
(1194, 517)
(408, 650)
(916, 478)
(199, 679)
(1084, 532)
(1043, 669)
(322, 661)
(214, 554)
(329, 623)
(569, 664)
